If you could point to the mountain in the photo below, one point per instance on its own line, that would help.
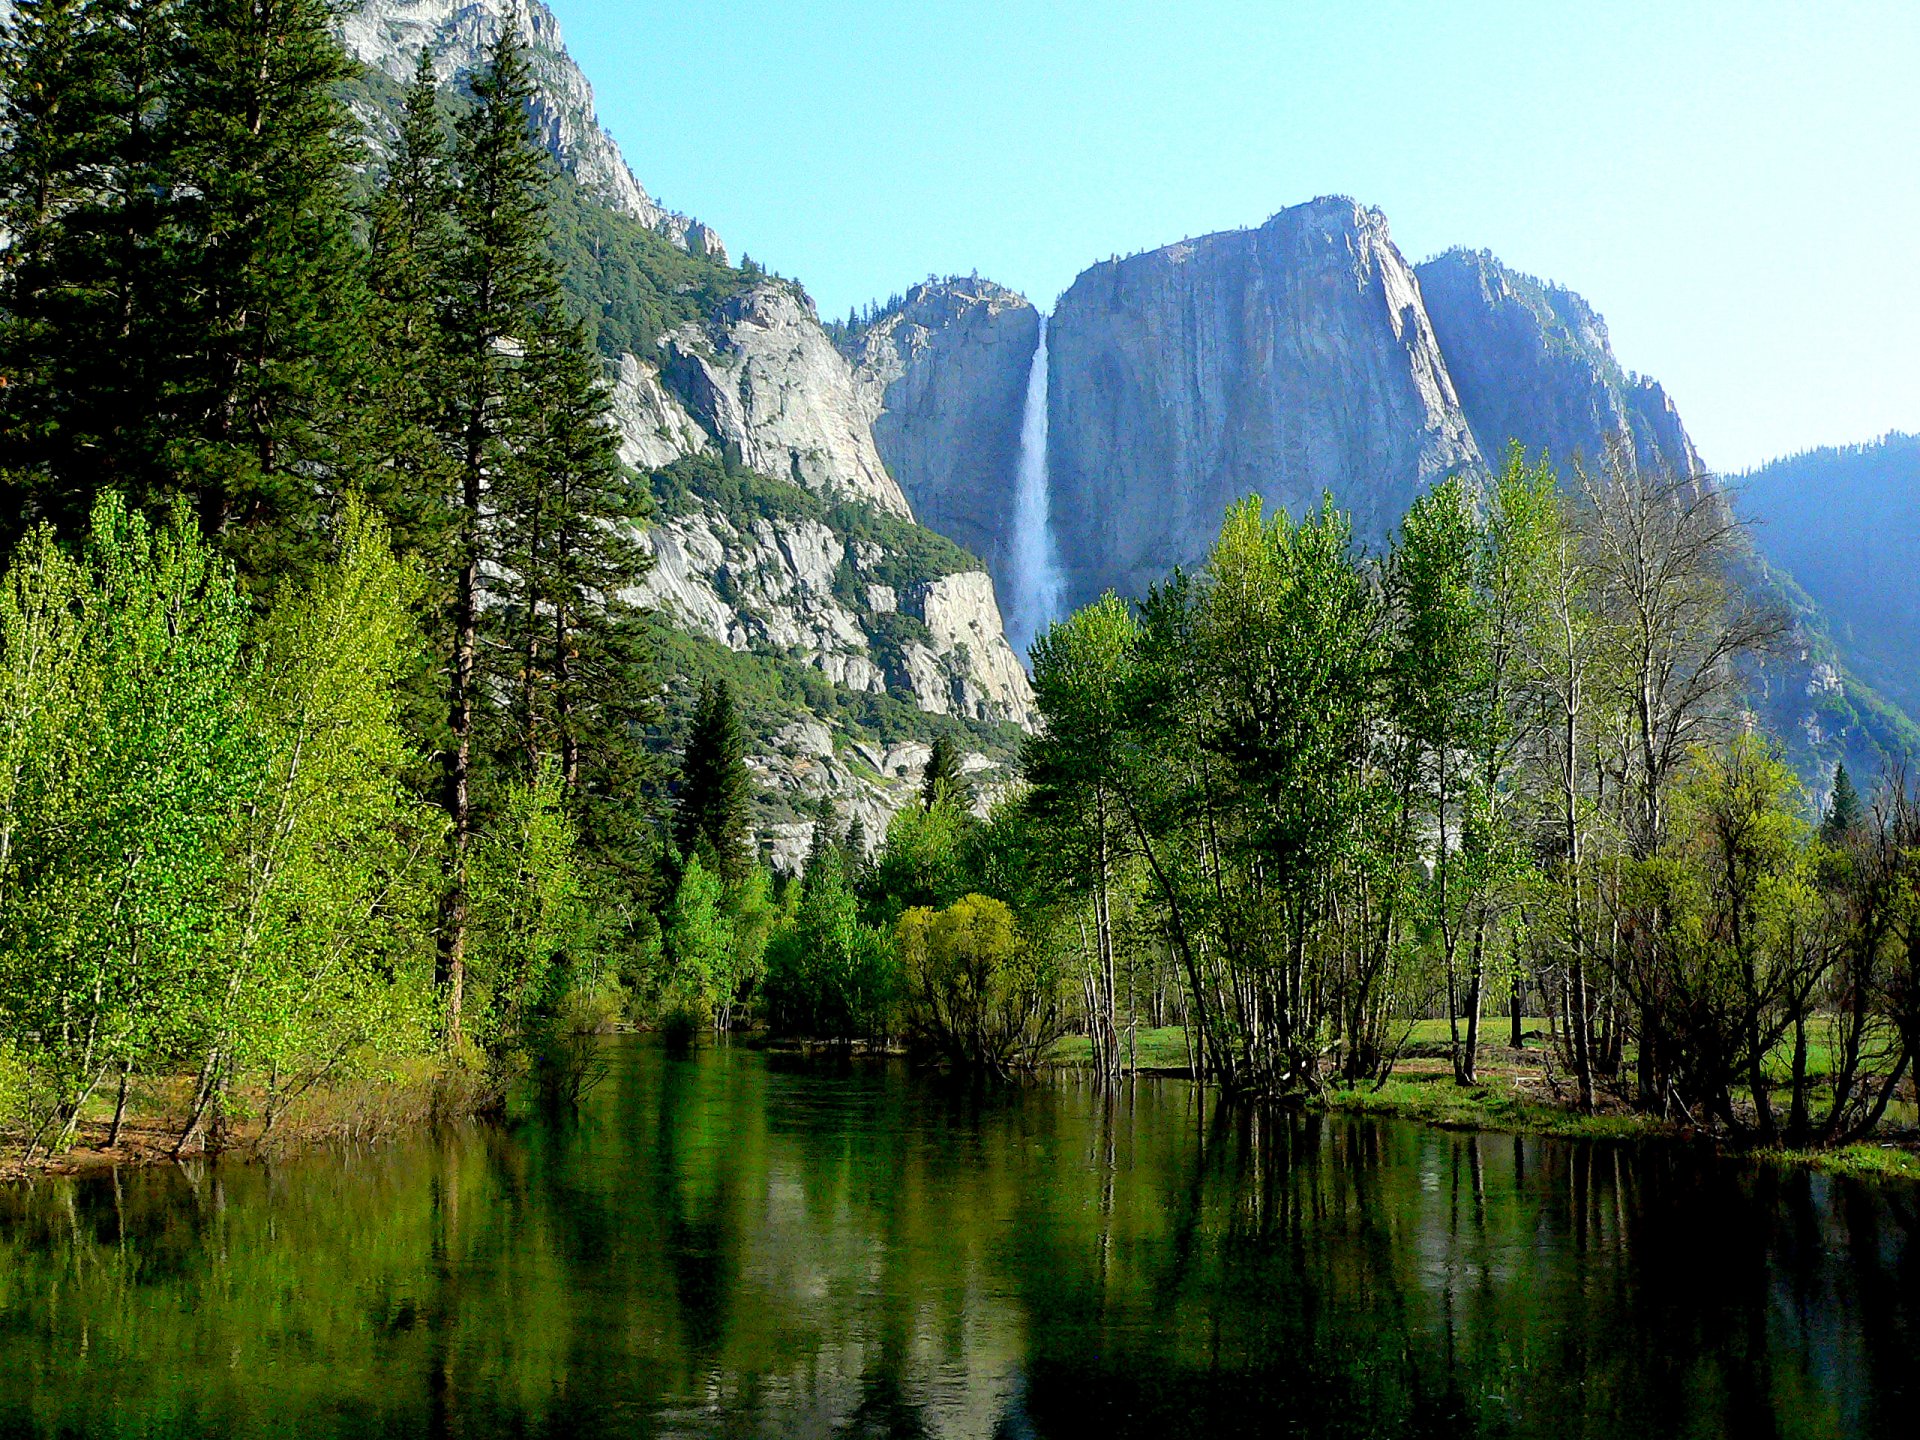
(943, 375)
(1532, 362)
(1283, 361)
(1302, 357)
(1845, 522)
(388, 35)
(786, 557)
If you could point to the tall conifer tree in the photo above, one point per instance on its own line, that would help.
(711, 811)
(408, 469)
(81, 180)
(257, 302)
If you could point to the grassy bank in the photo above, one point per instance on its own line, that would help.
(1514, 1096)
(366, 1110)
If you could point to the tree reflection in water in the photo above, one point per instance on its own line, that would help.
(724, 1243)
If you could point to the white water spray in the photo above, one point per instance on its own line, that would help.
(1038, 585)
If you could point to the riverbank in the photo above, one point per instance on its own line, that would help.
(1516, 1095)
(365, 1110)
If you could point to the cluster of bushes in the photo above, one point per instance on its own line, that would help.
(908, 944)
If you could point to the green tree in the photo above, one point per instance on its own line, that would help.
(258, 305)
(408, 455)
(1076, 766)
(328, 959)
(699, 940)
(534, 930)
(116, 903)
(711, 809)
(82, 181)
(976, 993)
(497, 279)
(1845, 812)
(828, 976)
(942, 779)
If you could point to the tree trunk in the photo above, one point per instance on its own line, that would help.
(1469, 1073)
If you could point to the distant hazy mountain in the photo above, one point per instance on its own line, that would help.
(1846, 523)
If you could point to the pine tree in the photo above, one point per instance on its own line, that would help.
(825, 841)
(407, 469)
(711, 811)
(498, 276)
(80, 188)
(566, 510)
(943, 780)
(256, 294)
(1845, 812)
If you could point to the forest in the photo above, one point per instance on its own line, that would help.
(325, 761)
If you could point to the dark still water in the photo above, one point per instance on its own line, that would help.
(730, 1244)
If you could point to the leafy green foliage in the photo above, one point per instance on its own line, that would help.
(977, 994)
(829, 976)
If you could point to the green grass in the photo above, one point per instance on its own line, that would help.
(1438, 1101)
(1162, 1049)
(1863, 1161)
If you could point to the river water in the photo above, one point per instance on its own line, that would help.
(732, 1244)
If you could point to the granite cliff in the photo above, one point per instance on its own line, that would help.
(1532, 362)
(943, 376)
(388, 35)
(786, 556)
(1285, 361)
(1300, 358)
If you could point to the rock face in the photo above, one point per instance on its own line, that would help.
(388, 35)
(780, 588)
(944, 377)
(655, 428)
(1286, 361)
(1532, 362)
(764, 378)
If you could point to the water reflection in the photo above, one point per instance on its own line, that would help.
(727, 1244)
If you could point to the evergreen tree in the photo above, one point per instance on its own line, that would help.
(711, 813)
(825, 840)
(567, 510)
(256, 297)
(943, 780)
(1845, 812)
(407, 469)
(498, 276)
(81, 182)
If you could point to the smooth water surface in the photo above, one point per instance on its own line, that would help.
(728, 1243)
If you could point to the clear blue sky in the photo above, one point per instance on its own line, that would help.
(1736, 187)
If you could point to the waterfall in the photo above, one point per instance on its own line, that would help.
(1036, 584)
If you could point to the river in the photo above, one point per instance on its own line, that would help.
(730, 1243)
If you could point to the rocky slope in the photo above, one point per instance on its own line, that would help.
(388, 35)
(786, 556)
(763, 378)
(943, 376)
(1532, 362)
(1286, 361)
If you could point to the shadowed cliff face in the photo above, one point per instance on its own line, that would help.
(1532, 362)
(1288, 361)
(943, 376)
